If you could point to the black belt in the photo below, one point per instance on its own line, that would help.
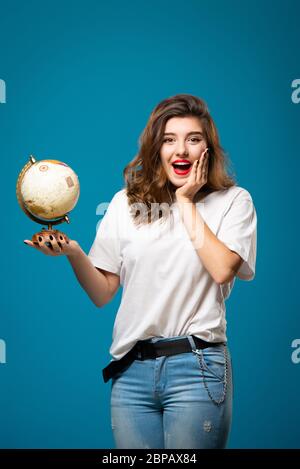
(143, 350)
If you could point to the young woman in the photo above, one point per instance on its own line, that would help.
(175, 237)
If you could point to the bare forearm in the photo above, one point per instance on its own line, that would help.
(92, 281)
(212, 252)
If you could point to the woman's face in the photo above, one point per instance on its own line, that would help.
(183, 140)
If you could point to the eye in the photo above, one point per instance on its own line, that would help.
(193, 139)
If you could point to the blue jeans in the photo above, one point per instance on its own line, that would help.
(175, 401)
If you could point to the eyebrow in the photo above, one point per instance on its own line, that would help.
(189, 133)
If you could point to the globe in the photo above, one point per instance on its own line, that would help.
(47, 189)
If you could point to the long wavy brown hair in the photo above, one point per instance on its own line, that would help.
(147, 184)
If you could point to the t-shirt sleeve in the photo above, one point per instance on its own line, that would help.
(105, 250)
(238, 231)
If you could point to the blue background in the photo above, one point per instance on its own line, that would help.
(82, 79)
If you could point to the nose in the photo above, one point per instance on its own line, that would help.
(181, 149)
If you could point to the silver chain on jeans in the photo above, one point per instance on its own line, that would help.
(199, 352)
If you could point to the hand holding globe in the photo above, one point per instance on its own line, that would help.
(47, 191)
(54, 243)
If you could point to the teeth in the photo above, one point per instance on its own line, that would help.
(183, 164)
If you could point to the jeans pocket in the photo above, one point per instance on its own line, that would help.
(213, 361)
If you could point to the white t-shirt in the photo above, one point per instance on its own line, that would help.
(167, 291)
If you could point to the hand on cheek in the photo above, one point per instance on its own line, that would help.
(196, 179)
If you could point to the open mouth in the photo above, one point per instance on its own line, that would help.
(181, 169)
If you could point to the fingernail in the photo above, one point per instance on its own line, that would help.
(25, 242)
